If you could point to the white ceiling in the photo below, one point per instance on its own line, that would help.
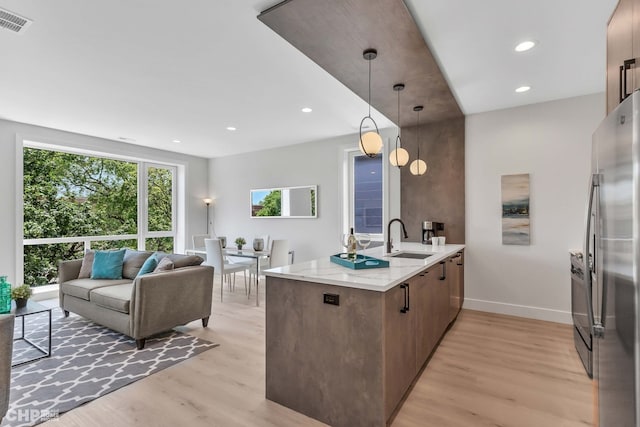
(155, 71)
(474, 41)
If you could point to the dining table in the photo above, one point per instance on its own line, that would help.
(241, 253)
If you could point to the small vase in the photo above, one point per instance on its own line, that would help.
(223, 241)
(21, 302)
(239, 247)
(258, 244)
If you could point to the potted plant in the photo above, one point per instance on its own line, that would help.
(21, 294)
(239, 242)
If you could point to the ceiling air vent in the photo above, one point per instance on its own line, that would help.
(11, 21)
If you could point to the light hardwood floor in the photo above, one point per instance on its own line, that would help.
(489, 370)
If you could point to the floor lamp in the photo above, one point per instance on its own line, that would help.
(207, 202)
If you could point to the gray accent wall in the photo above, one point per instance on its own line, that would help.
(438, 195)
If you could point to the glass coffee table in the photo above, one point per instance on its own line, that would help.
(20, 313)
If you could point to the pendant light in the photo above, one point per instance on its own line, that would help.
(418, 166)
(399, 157)
(370, 142)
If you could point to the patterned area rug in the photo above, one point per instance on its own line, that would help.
(88, 361)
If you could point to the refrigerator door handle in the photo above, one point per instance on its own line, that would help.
(593, 183)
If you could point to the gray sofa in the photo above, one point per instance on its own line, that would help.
(6, 348)
(140, 306)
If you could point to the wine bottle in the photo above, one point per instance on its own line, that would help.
(351, 246)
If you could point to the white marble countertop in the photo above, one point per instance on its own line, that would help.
(374, 279)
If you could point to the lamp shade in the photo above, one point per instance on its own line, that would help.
(418, 167)
(371, 144)
(207, 201)
(399, 157)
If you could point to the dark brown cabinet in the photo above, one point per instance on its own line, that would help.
(400, 341)
(433, 317)
(623, 49)
(455, 270)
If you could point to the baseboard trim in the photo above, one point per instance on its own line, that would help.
(529, 312)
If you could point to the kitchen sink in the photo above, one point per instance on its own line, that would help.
(413, 255)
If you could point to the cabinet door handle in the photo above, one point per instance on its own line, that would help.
(621, 71)
(444, 270)
(408, 297)
(623, 77)
(404, 308)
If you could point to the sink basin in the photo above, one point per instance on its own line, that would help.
(413, 255)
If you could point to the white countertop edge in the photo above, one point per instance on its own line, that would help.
(358, 279)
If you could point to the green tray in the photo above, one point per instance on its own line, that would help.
(362, 262)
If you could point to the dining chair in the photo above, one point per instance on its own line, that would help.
(279, 254)
(278, 257)
(198, 240)
(215, 258)
(267, 240)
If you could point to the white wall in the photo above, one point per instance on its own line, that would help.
(316, 163)
(11, 136)
(552, 142)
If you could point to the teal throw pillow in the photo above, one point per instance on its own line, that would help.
(107, 264)
(149, 265)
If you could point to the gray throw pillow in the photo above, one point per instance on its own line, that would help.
(133, 261)
(87, 265)
(165, 264)
(180, 260)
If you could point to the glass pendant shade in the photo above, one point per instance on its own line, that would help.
(399, 157)
(418, 167)
(370, 144)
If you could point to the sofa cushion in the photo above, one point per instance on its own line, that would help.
(149, 265)
(115, 297)
(108, 264)
(80, 288)
(87, 265)
(165, 264)
(133, 261)
(180, 260)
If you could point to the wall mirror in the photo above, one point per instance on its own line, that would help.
(285, 202)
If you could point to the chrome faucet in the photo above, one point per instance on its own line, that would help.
(404, 230)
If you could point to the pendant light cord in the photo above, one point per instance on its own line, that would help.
(399, 127)
(369, 88)
(399, 131)
(418, 138)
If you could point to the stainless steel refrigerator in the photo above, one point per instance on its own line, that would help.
(612, 251)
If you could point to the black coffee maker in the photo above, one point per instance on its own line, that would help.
(431, 229)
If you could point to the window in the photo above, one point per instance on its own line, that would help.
(365, 194)
(74, 202)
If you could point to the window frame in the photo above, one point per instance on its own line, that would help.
(142, 200)
(348, 218)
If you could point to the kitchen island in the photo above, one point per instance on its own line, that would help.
(343, 346)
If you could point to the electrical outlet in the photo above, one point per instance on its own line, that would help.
(333, 299)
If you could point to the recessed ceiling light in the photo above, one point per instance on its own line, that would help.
(523, 89)
(306, 110)
(125, 139)
(176, 141)
(231, 128)
(525, 45)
